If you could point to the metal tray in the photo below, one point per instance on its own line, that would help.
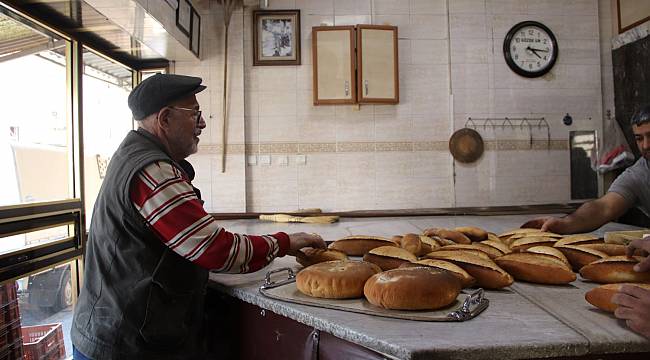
(466, 306)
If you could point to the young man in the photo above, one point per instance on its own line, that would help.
(151, 244)
(631, 188)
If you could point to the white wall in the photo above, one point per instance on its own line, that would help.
(396, 156)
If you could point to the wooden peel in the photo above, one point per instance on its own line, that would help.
(285, 218)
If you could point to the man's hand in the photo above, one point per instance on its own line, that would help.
(300, 240)
(551, 224)
(643, 244)
(634, 307)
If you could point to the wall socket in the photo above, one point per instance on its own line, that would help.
(265, 159)
(301, 159)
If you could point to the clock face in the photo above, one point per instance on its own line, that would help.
(530, 49)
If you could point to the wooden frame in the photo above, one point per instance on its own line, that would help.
(376, 64)
(276, 37)
(623, 28)
(195, 37)
(331, 94)
(184, 17)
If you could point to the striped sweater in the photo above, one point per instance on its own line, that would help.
(163, 195)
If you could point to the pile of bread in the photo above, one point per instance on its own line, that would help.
(427, 271)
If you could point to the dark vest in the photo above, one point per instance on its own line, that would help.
(139, 299)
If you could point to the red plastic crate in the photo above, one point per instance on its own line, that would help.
(43, 342)
(13, 351)
(10, 334)
(8, 293)
(9, 313)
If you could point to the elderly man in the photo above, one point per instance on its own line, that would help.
(151, 244)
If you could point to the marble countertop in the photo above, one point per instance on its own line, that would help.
(522, 321)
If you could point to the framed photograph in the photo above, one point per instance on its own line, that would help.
(195, 38)
(276, 37)
(184, 17)
(632, 13)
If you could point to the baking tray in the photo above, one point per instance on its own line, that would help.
(466, 306)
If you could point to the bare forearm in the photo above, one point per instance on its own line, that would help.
(590, 216)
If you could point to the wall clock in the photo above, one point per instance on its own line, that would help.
(530, 49)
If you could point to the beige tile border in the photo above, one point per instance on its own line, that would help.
(315, 148)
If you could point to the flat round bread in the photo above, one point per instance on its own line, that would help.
(339, 279)
(417, 288)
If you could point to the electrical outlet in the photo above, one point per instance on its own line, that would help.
(301, 159)
(265, 159)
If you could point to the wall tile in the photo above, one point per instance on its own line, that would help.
(436, 7)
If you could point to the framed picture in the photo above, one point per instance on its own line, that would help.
(632, 13)
(184, 17)
(276, 37)
(195, 38)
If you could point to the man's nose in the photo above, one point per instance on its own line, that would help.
(201, 124)
(645, 143)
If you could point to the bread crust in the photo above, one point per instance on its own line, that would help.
(536, 268)
(388, 257)
(486, 272)
(580, 256)
(452, 235)
(311, 256)
(358, 245)
(521, 244)
(614, 269)
(601, 296)
(548, 250)
(417, 288)
(612, 249)
(339, 279)
(580, 239)
(413, 244)
(497, 244)
(466, 279)
(473, 233)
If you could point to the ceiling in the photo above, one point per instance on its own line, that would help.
(78, 20)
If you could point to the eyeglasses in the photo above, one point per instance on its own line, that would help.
(197, 113)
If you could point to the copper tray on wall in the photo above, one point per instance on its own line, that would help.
(466, 145)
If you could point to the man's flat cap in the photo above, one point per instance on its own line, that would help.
(160, 90)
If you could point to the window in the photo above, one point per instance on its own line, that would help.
(107, 118)
(34, 140)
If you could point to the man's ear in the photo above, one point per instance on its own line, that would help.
(163, 118)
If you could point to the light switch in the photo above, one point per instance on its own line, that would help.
(265, 159)
(301, 159)
(252, 160)
(283, 160)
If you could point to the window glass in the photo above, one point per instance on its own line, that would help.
(107, 118)
(12, 243)
(34, 140)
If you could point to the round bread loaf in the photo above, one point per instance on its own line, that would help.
(358, 245)
(311, 256)
(388, 257)
(339, 279)
(614, 269)
(601, 297)
(417, 288)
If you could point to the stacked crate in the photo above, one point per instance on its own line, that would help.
(11, 344)
(43, 342)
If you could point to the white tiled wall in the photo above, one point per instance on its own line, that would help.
(273, 105)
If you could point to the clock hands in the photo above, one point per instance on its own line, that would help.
(534, 51)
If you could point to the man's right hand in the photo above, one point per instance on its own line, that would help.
(643, 244)
(548, 223)
(300, 240)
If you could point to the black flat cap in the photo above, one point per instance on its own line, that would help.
(160, 90)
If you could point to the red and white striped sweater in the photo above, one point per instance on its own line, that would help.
(164, 196)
